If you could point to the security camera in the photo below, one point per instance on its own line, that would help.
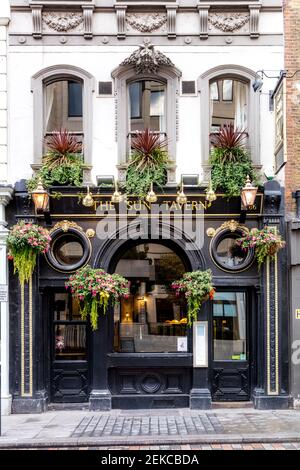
(257, 84)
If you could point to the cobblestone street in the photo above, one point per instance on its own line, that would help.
(159, 429)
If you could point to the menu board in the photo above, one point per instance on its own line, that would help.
(200, 344)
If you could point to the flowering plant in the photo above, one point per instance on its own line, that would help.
(197, 288)
(25, 242)
(266, 242)
(94, 288)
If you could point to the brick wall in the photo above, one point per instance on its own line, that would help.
(292, 63)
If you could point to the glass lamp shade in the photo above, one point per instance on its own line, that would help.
(117, 197)
(88, 200)
(248, 194)
(181, 198)
(40, 198)
(151, 196)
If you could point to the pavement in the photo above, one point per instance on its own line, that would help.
(138, 429)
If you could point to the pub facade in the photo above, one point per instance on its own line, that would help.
(105, 70)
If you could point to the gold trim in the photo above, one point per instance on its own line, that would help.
(22, 341)
(276, 391)
(23, 393)
(65, 225)
(233, 226)
(154, 216)
(210, 232)
(30, 339)
(90, 233)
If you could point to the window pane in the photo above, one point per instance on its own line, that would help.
(229, 254)
(135, 99)
(152, 319)
(229, 326)
(68, 250)
(231, 107)
(75, 99)
(66, 308)
(70, 342)
(57, 106)
(214, 91)
(147, 106)
(227, 90)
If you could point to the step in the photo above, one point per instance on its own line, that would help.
(232, 404)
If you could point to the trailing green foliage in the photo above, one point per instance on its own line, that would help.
(67, 174)
(265, 242)
(197, 288)
(25, 242)
(94, 289)
(230, 176)
(139, 181)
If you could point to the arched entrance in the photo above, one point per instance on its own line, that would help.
(150, 365)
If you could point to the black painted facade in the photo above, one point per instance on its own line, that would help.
(151, 380)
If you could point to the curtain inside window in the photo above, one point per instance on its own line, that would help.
(240, 100)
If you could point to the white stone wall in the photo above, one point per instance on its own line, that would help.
(4, 20)
(100, 61)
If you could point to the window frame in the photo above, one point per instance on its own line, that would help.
(122, 77)
(50, 75)
(234, 72)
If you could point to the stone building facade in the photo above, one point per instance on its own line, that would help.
(104, 69)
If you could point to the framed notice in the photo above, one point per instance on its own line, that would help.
(200, 340)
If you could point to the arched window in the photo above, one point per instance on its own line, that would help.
(228, 103)
(152, 318)
(146, 99)
(62, 98)
(227, 97)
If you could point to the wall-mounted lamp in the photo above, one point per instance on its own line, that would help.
(181, 198)
(151, 196)
(258, 81)
(88, 200)
(40, 198)
(248, 194)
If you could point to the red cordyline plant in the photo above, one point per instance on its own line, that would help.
(63, 148)
(229, 143)
(149, 150)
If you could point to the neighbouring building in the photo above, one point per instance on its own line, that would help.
(287, 168)
(103, 70)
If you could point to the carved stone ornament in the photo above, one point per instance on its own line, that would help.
(147, 60)
(228, 22)
(146, 23)
(65, 225)
(62, 22)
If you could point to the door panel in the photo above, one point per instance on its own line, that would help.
(69, 351)
(230, 346)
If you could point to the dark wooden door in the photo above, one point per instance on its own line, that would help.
(230, 364)
(69, 350)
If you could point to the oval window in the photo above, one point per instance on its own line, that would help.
(227, 254)
(68, 251)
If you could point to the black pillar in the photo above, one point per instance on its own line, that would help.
(100, 396)
(200, 397)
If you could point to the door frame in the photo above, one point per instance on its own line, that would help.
(250, 328)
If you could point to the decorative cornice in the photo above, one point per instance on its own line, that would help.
(62, 22)
(146, 23)
(228, 22)
(147, 60)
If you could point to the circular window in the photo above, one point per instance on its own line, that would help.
(69, 250)
(227, 254)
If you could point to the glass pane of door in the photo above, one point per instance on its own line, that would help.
(229, 326)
